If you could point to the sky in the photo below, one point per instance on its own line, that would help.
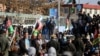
(88, 1)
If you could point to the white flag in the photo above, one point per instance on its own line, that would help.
(67, 1)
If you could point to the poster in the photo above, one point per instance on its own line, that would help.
(53, 12)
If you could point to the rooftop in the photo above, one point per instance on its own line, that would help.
(90, 6)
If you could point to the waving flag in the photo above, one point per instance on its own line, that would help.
(72, 10)
(68, 23)
(96, 40)
(10, 29)
(38, 24)
(8, 25)
(67, 1)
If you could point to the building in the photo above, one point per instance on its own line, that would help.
(2, 8)
(87, 8)
(91, 9)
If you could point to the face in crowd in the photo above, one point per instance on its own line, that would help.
(40, 36)
(26, 35)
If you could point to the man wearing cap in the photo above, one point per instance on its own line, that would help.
(70, 47)
(53, 43)
(79, 45)
(52, 51)
(4, 43)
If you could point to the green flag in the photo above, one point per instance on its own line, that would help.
(69, 1)
(35, 32)
(11, 29)
(72, 10)
(96, 41)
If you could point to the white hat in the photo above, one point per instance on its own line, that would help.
(52, 51)
(67, 53)
(32, 51)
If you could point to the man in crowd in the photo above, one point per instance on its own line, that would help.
(4, 43)
(24, 44)
(79, 45)
(53, 43)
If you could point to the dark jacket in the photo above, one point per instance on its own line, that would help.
(23, 49)
(34, 44)
(70, 47)
(4, 45)
(53, 43)
(79, 46)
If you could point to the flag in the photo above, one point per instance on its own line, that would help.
(7, 22)
(67, 23)
(39, 20)
(11, 29)
(8, 25)
(38, 24)
(95, 33)
(72, 10)
(96, 40)
(35, 32)
(67, 1)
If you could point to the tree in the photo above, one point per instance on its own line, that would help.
(27, 6)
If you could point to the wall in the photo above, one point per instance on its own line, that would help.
(91, 11)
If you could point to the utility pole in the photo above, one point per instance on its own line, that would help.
(78, 1)
(58, 14)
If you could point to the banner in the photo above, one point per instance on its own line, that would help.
(62, 28)
(53, 12)
(38, 24)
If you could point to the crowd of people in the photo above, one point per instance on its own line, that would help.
(82, 40)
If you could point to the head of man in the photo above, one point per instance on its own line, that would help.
(39, 36)
(69, 40)
(2, 29)
(53, 37)
(52, 51)
(25, 34)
